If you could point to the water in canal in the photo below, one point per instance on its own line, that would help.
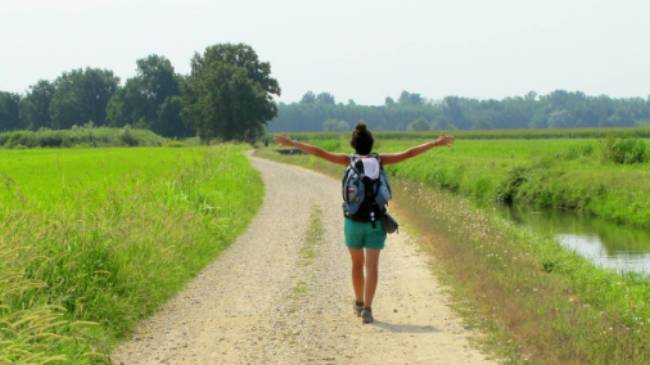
(619, 247)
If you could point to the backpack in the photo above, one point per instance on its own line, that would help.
(366, 191)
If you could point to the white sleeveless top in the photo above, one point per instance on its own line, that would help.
(371, 167)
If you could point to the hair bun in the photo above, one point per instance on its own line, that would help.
(362, 140)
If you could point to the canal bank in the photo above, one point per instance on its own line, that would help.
(525, 288)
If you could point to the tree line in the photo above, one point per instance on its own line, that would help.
(412, 111)
(228, 94)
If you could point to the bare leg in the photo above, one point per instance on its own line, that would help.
(372, 269)
(357, 273)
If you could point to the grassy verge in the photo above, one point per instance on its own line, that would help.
(99, 238)
(80, 137)
(540, 302)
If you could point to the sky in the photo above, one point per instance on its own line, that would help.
(360, 50)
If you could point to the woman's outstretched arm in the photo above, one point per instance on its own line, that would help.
(443, 140)
(337, 158)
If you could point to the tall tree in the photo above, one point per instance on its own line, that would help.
(325, 98)
(229, 93)
(336, 125)
(454, 111)
(141, 100)
(168, 122)
(419, 124)
(35, 106)
(81, 96)
(308, 98)
(407, 98)
(9, 111)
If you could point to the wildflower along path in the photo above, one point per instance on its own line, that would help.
(281, 294)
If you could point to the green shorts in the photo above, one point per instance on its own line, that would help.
(361, 234)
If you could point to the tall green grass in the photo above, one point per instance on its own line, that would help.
(80, 137)
(94, 240)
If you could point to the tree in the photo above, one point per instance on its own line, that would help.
(143, 97)
(442, 124)
(168, 122)
(336, 125)
(407, 98)
(389, 101)
(621, 117)
(308, 98)
(419, 124)
(559, 119)
(454, 112)
(9, 111)
(229, 93)
(325, 98)
(81, 96)
(35, 106)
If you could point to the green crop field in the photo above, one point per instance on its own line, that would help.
(562, 173)
(93, 240)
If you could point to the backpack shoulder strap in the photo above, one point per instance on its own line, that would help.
(356, 164)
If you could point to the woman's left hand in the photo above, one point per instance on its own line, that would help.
(444, 140)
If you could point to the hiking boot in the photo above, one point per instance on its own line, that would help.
(358, 307)
(366, 315)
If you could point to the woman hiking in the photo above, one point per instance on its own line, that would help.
(364, 237)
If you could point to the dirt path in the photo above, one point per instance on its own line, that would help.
(270, 299)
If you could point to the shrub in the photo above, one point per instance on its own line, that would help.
(624, 150)
(127, 137)
(507, 191)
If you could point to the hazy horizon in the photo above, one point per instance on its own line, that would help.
(364, 51)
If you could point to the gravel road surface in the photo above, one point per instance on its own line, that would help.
(263, 302)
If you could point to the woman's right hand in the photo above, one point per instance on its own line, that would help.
(284, 140)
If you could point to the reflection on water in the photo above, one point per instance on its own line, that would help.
(609, 245)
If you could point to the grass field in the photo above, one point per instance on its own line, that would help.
(95, 239)
(560, 173)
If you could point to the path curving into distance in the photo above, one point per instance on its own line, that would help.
(279, 295)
